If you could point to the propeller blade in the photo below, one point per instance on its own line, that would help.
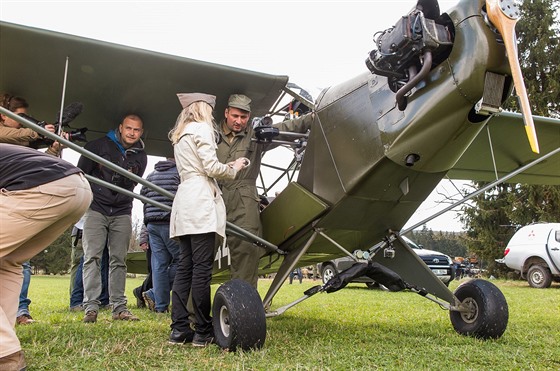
(504, 14)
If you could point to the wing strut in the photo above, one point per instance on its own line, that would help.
(483, 189)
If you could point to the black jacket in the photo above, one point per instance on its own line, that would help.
(134, 159)
(25, 168)
(167, 177)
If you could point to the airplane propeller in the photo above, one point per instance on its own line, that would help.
(504, 14)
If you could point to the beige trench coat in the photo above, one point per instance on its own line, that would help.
(198, 206)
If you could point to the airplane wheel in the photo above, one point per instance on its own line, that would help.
(539, 277)
(488, 310)
(328, 272)
(238, 317)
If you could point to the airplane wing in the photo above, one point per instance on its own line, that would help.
(112, 80)
(506, 133)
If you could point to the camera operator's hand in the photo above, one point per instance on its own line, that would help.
(54, 149)
(50, 127)
(240, 164)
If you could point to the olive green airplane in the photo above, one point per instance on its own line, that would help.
(427, 106)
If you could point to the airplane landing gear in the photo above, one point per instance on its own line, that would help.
(486, 310)
(238, 317)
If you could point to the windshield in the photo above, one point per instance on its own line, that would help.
(412, 244)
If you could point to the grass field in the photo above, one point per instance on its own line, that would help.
(355, 328)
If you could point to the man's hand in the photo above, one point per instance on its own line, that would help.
(144, 246)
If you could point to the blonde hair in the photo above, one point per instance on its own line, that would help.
(196, 112)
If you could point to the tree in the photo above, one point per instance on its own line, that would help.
(56, 257)
(491, 222)
(538, 39)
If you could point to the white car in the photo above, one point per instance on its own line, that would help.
(534, 251)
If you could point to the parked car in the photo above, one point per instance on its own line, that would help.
(534, 251)
(440, 264)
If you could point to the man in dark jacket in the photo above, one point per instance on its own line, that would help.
(109, 217)
(165, 251)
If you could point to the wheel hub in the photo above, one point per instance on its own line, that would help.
(537, 277)
(471, 313)
(224, 321)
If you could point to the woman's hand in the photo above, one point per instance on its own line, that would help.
(240, 164)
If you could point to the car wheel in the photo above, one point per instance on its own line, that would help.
(488, 313)
(328, 272)
(539, 277)
(238, 317)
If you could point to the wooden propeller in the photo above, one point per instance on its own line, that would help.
(504, 14)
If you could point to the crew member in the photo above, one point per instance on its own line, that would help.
(41, 196)
(240, 195)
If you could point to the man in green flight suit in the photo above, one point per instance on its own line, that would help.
(240, 195)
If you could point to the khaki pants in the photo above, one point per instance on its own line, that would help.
(30, 220)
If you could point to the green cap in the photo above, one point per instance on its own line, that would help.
(240, 101)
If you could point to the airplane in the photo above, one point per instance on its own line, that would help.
(427, 106)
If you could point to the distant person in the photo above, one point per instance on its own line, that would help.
(56, 193)
(23, 315)
(165, 251)
(198, 213)
(108, 220)
(146, 285)
(240, 194)
(296, 272)
(77, 283)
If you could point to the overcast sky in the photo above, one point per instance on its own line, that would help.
(316, 43)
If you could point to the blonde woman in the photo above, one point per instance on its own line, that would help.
(198, 214)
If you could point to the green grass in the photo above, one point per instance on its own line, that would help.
(354, 328)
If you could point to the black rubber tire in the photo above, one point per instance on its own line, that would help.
(238, 317)
(539, 277)
(489, 316)
(328, 271)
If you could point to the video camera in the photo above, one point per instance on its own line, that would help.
(77, 135)
(264, 130)
(68, 114)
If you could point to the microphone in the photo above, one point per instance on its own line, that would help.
(70, 112)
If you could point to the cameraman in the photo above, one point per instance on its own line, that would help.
(12, 131)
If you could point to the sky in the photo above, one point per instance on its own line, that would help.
(316, 43)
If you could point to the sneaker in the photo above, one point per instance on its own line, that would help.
(139, 299)
(91, 316)
(180, 337)
(77, 308)
(24, 319)
(202, 340)
(149, 302)
(14, 361)
(125, 315)
(166, 310)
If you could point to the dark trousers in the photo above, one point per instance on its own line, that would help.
(147, 283)
(194, 273)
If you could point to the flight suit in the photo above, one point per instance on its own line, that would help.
(241, 197)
